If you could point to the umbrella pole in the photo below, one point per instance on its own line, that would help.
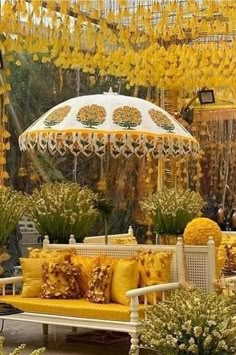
(75, 168)
(159, 174)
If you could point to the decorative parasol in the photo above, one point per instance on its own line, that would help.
(124, 125)
(112, 125)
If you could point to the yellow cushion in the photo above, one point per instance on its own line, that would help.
(60, 280)
(154, 269)
(72, 308)
(99, 286)
(128, 240)
(125, 278)
(108, 260)
(86, 264)
(51, 253)
(220, 260)
(32, 271)
(228, 239)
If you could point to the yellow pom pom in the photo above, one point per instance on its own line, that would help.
(200, 229)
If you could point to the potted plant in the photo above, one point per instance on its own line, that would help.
(191, 323)
(170, 211)
(13, 205)
(61, 209)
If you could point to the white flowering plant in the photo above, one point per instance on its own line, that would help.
(171, 209)
(12, 206)
(191, 323)
(20, 349)
(61, 209)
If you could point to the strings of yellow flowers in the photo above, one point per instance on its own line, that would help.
(169, 45)
(4, 134)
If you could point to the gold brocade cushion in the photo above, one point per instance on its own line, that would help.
(125, 278)
(220, 260)
(50, 253)
(99, 286)
(60, 280)
(32, 271)
(109, 261)
(228, 239)
(86, 264)
(128, 240)
(154, 268)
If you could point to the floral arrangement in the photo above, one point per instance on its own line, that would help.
(191, 323)
(161, 120)
(19, 350)
(91, 115)
(170, 210)
(200, 229)
(61, 209)
(127, 116)
(57, 115)
(13, 204)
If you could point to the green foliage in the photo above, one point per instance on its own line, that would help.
(171, 209)
(19, 350)
(191, 323)
(61, 209)
(12, 207)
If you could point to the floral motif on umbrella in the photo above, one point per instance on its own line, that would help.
(161, 120)
(57, 116)
(91, 115)
(127, 117)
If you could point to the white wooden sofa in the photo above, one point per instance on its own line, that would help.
(200, 262)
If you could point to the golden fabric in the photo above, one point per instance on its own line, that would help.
(51, 253)
(154, 268)
(125, 278)
(220, 260)
(128, 240)
(86, 264)
(99, 286)
(108, 260)
(72, 308)
(228, 239)
(60, 280)
(32, 271)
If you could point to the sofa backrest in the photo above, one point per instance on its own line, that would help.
(195, 264)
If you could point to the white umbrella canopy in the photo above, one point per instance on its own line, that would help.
(123, 125)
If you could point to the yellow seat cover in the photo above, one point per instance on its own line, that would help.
(71, 308)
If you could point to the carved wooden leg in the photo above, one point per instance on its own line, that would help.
(45, 329)
(134, 350)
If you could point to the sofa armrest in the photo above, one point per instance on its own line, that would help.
(10, 281)
(144, 291)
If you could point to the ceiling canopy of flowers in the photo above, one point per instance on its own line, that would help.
(168, 44)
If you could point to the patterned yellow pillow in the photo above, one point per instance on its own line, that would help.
(125, 278)
(60, 280)
(109, 261)
(51, 253)
(220, 260)
(32, 272)
(154, 268)
(86, 264)
(128, 240)
(228, 239)
(99, 286)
